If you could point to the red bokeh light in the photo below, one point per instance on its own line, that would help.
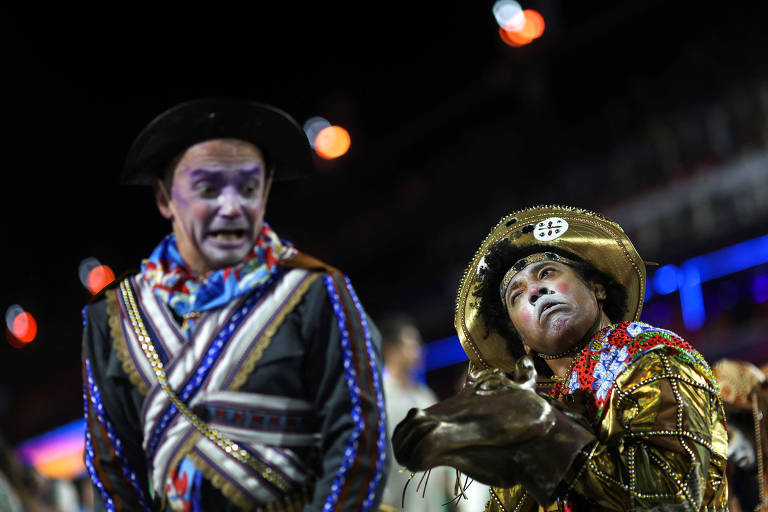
(24, 327)
(98, 278)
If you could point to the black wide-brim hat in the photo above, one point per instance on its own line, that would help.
(281, 139)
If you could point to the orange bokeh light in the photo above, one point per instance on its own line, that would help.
(534, 24)
(98, 278)
(332, 142)
(513, 38)
(531, 29)
(24, 327)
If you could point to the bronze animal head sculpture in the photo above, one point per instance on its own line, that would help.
(492, 431)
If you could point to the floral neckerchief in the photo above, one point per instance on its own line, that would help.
(173, 282)
(611, 351)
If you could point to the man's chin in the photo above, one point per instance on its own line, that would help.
(218, 259)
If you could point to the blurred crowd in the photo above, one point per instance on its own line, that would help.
(24, 489)
(744, 393)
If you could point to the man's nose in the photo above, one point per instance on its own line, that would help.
(536, 292)
(230, 204)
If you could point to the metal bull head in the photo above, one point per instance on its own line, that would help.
(498, 431)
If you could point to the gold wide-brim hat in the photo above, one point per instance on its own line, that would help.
(586, 234)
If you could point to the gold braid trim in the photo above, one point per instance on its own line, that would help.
(250, 362)
(119, 343)
(291, 503)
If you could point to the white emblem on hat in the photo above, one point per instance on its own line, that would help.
(550, 229)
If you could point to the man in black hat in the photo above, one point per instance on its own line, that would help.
(232, 371)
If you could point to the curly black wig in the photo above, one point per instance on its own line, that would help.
(501, 257)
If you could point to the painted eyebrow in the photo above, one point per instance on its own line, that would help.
(535, 269)
(203, 172)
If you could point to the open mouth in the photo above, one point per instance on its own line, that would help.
(227, 235)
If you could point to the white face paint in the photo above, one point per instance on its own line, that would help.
(550, 229)
(219, 198)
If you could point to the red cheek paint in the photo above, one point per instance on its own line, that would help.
(525, 314)
(563, 288)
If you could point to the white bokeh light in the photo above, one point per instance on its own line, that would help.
(509, 15)
(313, 126)
(85, 268)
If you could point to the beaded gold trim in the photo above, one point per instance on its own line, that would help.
(119, 343)
(229, 447)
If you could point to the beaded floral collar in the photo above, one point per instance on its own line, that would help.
(611, 351)
(175, 285)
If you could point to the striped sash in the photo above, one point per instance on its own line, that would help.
(255, 466)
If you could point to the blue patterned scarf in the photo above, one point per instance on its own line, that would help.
(174, 283)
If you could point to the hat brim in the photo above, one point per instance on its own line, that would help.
(275, 132)
(589, 236)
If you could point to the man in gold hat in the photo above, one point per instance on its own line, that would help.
(633, 420)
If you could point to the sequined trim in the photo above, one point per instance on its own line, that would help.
(381, 441)
(119, 343)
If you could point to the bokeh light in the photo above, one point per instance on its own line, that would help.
(509, 15)
(21, 326)
(313, 126)
(93, 275)
(534, 24)
(98, 278)
(760, 288)
(515, 33)
(513, 38)
(24, 327)
(332, 142)
(665, 279)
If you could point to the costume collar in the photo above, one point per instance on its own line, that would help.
(188, 295)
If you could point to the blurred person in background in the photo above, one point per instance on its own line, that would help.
(476, 494)
(743, 389)
(401, 345)
(232, 371)
(12, 491)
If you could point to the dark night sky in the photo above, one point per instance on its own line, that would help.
(422, 87)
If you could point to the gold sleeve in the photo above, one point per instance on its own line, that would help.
(661, 442)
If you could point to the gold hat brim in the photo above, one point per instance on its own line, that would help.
(589, 236)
